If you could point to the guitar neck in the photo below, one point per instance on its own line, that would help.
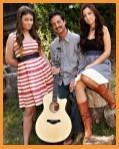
(55, 88)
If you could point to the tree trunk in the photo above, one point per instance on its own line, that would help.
(99, 109)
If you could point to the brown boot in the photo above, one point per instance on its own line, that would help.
(107, 95)
(86, 118)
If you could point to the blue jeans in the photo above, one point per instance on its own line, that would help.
(77, 125)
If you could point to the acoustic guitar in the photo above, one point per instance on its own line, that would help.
(54, 124)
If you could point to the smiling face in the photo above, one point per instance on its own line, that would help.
(27, 22)
(89, 16)
(58, 25)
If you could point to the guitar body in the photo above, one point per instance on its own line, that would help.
(52, 126)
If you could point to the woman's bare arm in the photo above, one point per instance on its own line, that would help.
(9, 52)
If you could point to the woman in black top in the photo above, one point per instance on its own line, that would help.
(95, 44)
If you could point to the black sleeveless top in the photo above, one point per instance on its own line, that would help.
(91, 46)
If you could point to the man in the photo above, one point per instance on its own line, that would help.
(64, 49)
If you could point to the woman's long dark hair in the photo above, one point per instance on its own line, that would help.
(24, 10)
(85, 28)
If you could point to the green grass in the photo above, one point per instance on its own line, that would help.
(13, 123)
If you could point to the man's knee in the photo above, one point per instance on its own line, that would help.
(62, 92)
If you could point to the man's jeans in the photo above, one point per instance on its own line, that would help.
(77, 125)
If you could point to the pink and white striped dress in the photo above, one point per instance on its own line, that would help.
(34, 77)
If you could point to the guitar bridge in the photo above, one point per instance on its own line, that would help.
(53, 121)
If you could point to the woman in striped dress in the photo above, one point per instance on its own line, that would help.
(95, 44)
(34, 77)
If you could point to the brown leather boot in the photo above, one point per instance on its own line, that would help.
(107, 95)
(86, 118)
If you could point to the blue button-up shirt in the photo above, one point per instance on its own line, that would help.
(66, 55)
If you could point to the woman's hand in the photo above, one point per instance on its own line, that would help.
(90, 65)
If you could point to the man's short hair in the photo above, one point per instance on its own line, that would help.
(54, 13)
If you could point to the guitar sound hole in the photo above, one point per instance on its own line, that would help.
(54, 107)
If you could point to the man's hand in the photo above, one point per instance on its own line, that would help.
(55, 70)
(74, 83)
(72, 86)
